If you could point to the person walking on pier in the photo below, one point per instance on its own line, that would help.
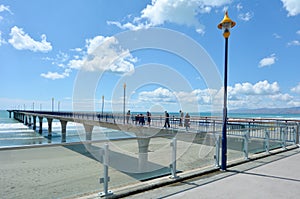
(167, 120)
(141, 120)
(180, 117)
(148, 118)
(187, 121)
(127, 116)
(137, 119)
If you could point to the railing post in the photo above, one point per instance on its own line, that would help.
(246, 141)
(106, 178)
(285, 131)
(267, 142)
(297, 133)
(217, 153)
(173, 164)
(293, 134)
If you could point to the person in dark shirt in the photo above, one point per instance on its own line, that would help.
(167, 120)
(148, 118)
(141, 120)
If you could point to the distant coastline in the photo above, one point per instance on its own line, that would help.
(291, 110)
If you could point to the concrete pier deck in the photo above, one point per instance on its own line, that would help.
(275, 176)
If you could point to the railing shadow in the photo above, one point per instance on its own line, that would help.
(116, 159)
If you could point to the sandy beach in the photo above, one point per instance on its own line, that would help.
(66, 171)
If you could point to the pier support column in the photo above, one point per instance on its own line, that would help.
(22, 118)
(88, 131)
(88, 134)
(9, 114)
(143, 144)
(29, 120)
(49, 126)
(26, 119)
(41, 124)
(63, 130)
(34, 122)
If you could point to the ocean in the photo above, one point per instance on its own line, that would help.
(14, 133)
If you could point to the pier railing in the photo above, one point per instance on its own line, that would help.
(277, 129)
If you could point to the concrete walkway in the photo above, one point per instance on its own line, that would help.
(276, 176)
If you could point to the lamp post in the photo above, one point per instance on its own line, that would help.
(226, 24)
(124, 103)
(52, 104)
(102, 105)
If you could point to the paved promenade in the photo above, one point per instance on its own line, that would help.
(276, 176)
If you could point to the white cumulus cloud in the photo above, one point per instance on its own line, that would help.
(56, 75)
(100, 54)
(5, 8)
(104, 54)
(292, 6)
(268, 61)
(241, 95)
(246, 16)
(157, 95)
(22, 41)
(182, 12)
(259, 95)
(282, 97)
(239, 6)
(260, 88)
(294, 43)
(2, 41)
(277, 36)
(296, 89)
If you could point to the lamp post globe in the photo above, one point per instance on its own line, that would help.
(226, 24)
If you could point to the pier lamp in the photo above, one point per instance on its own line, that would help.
(102, 104)
(124, 102)
(52, 104)
(226, 24)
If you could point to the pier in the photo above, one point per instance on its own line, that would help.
(197, 150)
(282, 131)
(253, 127)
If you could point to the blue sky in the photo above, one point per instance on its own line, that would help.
(46, 45)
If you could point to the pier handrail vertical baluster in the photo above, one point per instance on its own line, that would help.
(293, 134)
(246, 143)
(173, 164)
(284, 134)
(104, 152)
(217, 153)
(267, 142)
(297, 133)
